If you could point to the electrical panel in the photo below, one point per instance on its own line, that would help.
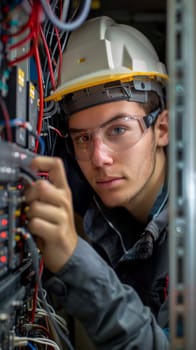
(31, 46)
(33, 35)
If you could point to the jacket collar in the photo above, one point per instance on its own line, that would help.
(120, 236)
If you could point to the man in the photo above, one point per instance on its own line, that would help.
(112, 95)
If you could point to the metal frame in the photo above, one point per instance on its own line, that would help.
(181, 38)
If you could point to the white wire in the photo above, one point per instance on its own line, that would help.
(66, 26)
(60, 320)
(65, 10)
(44, 341)
(49, 306)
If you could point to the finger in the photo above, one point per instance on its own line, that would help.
(45, 192)
(53, 166)
(42, 229)
(53, 246)
(47, 212)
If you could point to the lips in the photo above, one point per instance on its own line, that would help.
(109, 181)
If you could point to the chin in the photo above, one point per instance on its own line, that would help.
(112, 202)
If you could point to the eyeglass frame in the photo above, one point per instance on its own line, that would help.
(148, 120)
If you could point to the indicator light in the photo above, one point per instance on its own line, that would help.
(3, 259)
(4, 222)
(3, 234)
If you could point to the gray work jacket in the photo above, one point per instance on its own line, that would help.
(112, 313)
(102, 290)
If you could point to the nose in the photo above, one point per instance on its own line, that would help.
(100, 154)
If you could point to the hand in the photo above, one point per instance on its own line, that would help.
(50, 213)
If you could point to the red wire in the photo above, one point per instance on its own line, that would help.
(59, 42)
(24, 27)
(45, 174)
(36, 291)
(33, 24)
(41, 95)
(60, 53)
(37, 19)
(23, 41)
(39, 327)
(35, 30)
(57, 131)
(21, 58)
(49, 59)
(36, 15)
(6, 118)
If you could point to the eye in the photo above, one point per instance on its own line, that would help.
(124, 127)
(81, 139)
(117, 130)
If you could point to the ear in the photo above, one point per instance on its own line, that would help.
(161, 129)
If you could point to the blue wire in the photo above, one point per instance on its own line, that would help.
(31, 346)
(13, 123)
(42, 145)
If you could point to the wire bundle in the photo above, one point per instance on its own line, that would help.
(40, 38)
(43, 36)
(44, 320)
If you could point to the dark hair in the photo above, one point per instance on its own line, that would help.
(152, 104)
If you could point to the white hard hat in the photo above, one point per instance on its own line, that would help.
(103, 51)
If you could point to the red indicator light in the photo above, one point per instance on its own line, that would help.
(20, 187)
(3, 234)
(3, 259)
(4, 222)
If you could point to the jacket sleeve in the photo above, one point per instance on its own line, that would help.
(111, 312)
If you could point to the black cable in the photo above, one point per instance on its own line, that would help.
(28, 174)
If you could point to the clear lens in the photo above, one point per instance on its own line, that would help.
(122, 134)
(117, 135)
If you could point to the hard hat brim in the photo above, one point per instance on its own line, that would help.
(79, 84)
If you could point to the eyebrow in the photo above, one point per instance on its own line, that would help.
(76, 130)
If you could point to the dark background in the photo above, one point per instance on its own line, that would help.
(149, 16)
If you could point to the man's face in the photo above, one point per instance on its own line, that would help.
(129, 176)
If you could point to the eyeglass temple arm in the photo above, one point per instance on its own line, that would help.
(150, 118)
